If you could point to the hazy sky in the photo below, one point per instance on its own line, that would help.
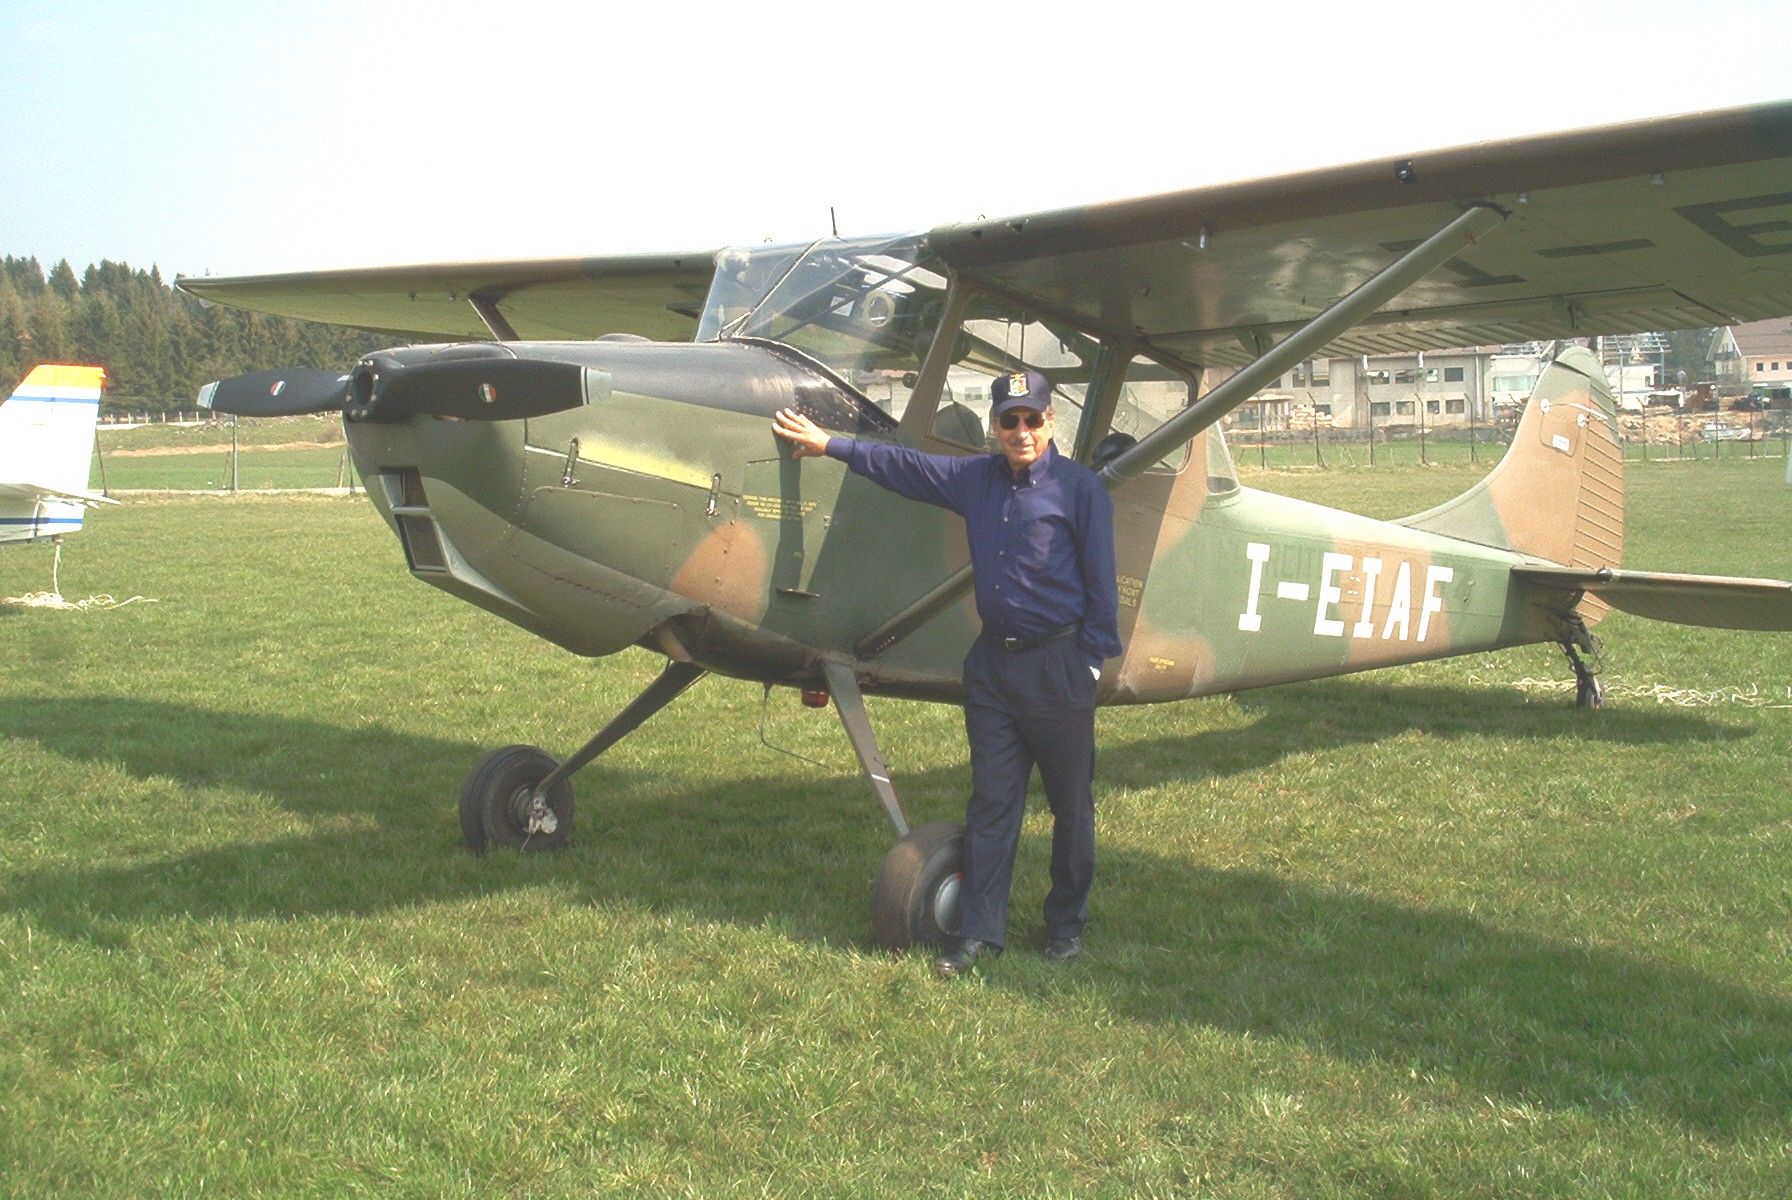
(238, 137)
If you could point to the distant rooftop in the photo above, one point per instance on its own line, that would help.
(1771, 338)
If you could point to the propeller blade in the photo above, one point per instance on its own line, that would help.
(282, 393)
(473, 389)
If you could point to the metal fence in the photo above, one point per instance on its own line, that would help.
(1672, 437)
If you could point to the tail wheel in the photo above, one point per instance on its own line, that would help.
(914, 899)
(498, 804)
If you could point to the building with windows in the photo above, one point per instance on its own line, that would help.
(1755, 356)
(1439, 388)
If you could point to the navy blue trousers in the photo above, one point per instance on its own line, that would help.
(1024, 709)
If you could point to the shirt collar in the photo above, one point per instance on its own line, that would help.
(1037, 470)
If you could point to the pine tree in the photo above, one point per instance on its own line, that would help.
(64, 283)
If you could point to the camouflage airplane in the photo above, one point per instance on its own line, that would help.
(605, 490)
(47, 428)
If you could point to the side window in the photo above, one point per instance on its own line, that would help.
(995, 340)
(1150, 395)
(1153, 393)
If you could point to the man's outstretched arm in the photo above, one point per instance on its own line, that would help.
(930, 478)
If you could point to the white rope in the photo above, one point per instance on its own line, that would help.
(1751, 696)
(53, 600)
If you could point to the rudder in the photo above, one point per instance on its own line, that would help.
(47, 431)
(1558, 494)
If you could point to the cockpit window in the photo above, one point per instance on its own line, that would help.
(865, 307)
(1151, 394)
(997, 340)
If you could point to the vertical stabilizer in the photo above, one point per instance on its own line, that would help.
(46, 451)
(1558, 494)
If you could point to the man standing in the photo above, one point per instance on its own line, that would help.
(1041, 533)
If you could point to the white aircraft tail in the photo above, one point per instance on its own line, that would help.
(46, 450)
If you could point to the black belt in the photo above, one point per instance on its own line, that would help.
(1042, 639)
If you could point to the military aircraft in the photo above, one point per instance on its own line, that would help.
(47, 428)
(604, 490)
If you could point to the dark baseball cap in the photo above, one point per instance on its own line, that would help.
(1022, 389)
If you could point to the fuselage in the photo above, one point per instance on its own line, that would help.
(667, 514)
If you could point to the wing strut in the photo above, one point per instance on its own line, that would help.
(1296, 348)
(487, 308)
(1302, 344)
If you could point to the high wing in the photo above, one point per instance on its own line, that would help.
(656, 295)
(1671, 223)
(37, 491)
(1715, 601)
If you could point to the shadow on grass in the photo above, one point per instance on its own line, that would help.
(1504, 1014)
(1336, 714)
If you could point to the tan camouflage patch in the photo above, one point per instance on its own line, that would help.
(729, 570)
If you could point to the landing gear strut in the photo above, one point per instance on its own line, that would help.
(914, 899)
(1588, 693)
(518, 796)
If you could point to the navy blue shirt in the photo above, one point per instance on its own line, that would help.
(1042, 538)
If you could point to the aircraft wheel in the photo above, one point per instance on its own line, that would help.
(1589, 692)
(497, 802)
(914, 899)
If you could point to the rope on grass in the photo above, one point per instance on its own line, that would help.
(53, 600)
(1751, 696)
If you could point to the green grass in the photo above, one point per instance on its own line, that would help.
(1422, 932)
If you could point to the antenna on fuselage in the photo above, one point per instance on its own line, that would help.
(833, 221)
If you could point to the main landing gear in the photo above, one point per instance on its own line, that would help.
(914, 899)
(518, 796)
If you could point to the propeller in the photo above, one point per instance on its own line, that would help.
(283, 393)
(468, 382)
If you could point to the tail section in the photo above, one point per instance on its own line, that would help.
(46, 449)
(1558, 495)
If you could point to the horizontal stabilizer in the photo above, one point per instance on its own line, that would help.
(34, 491)
(1714, 601)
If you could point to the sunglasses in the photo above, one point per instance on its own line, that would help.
(1012, 420)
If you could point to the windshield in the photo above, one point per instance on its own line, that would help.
(866, 307)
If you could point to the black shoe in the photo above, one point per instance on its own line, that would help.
(1063, 949)
(960, 961)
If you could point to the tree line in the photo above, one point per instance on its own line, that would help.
(158, 345)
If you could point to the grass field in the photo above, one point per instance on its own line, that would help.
(1423, 932)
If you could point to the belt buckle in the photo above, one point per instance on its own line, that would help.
(1012, 643)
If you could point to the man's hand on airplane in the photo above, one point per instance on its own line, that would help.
(806, 438)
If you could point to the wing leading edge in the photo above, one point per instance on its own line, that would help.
(656, 295)
(1663, 224)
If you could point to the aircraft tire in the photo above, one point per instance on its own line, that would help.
(494, 795)
(914, 897)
